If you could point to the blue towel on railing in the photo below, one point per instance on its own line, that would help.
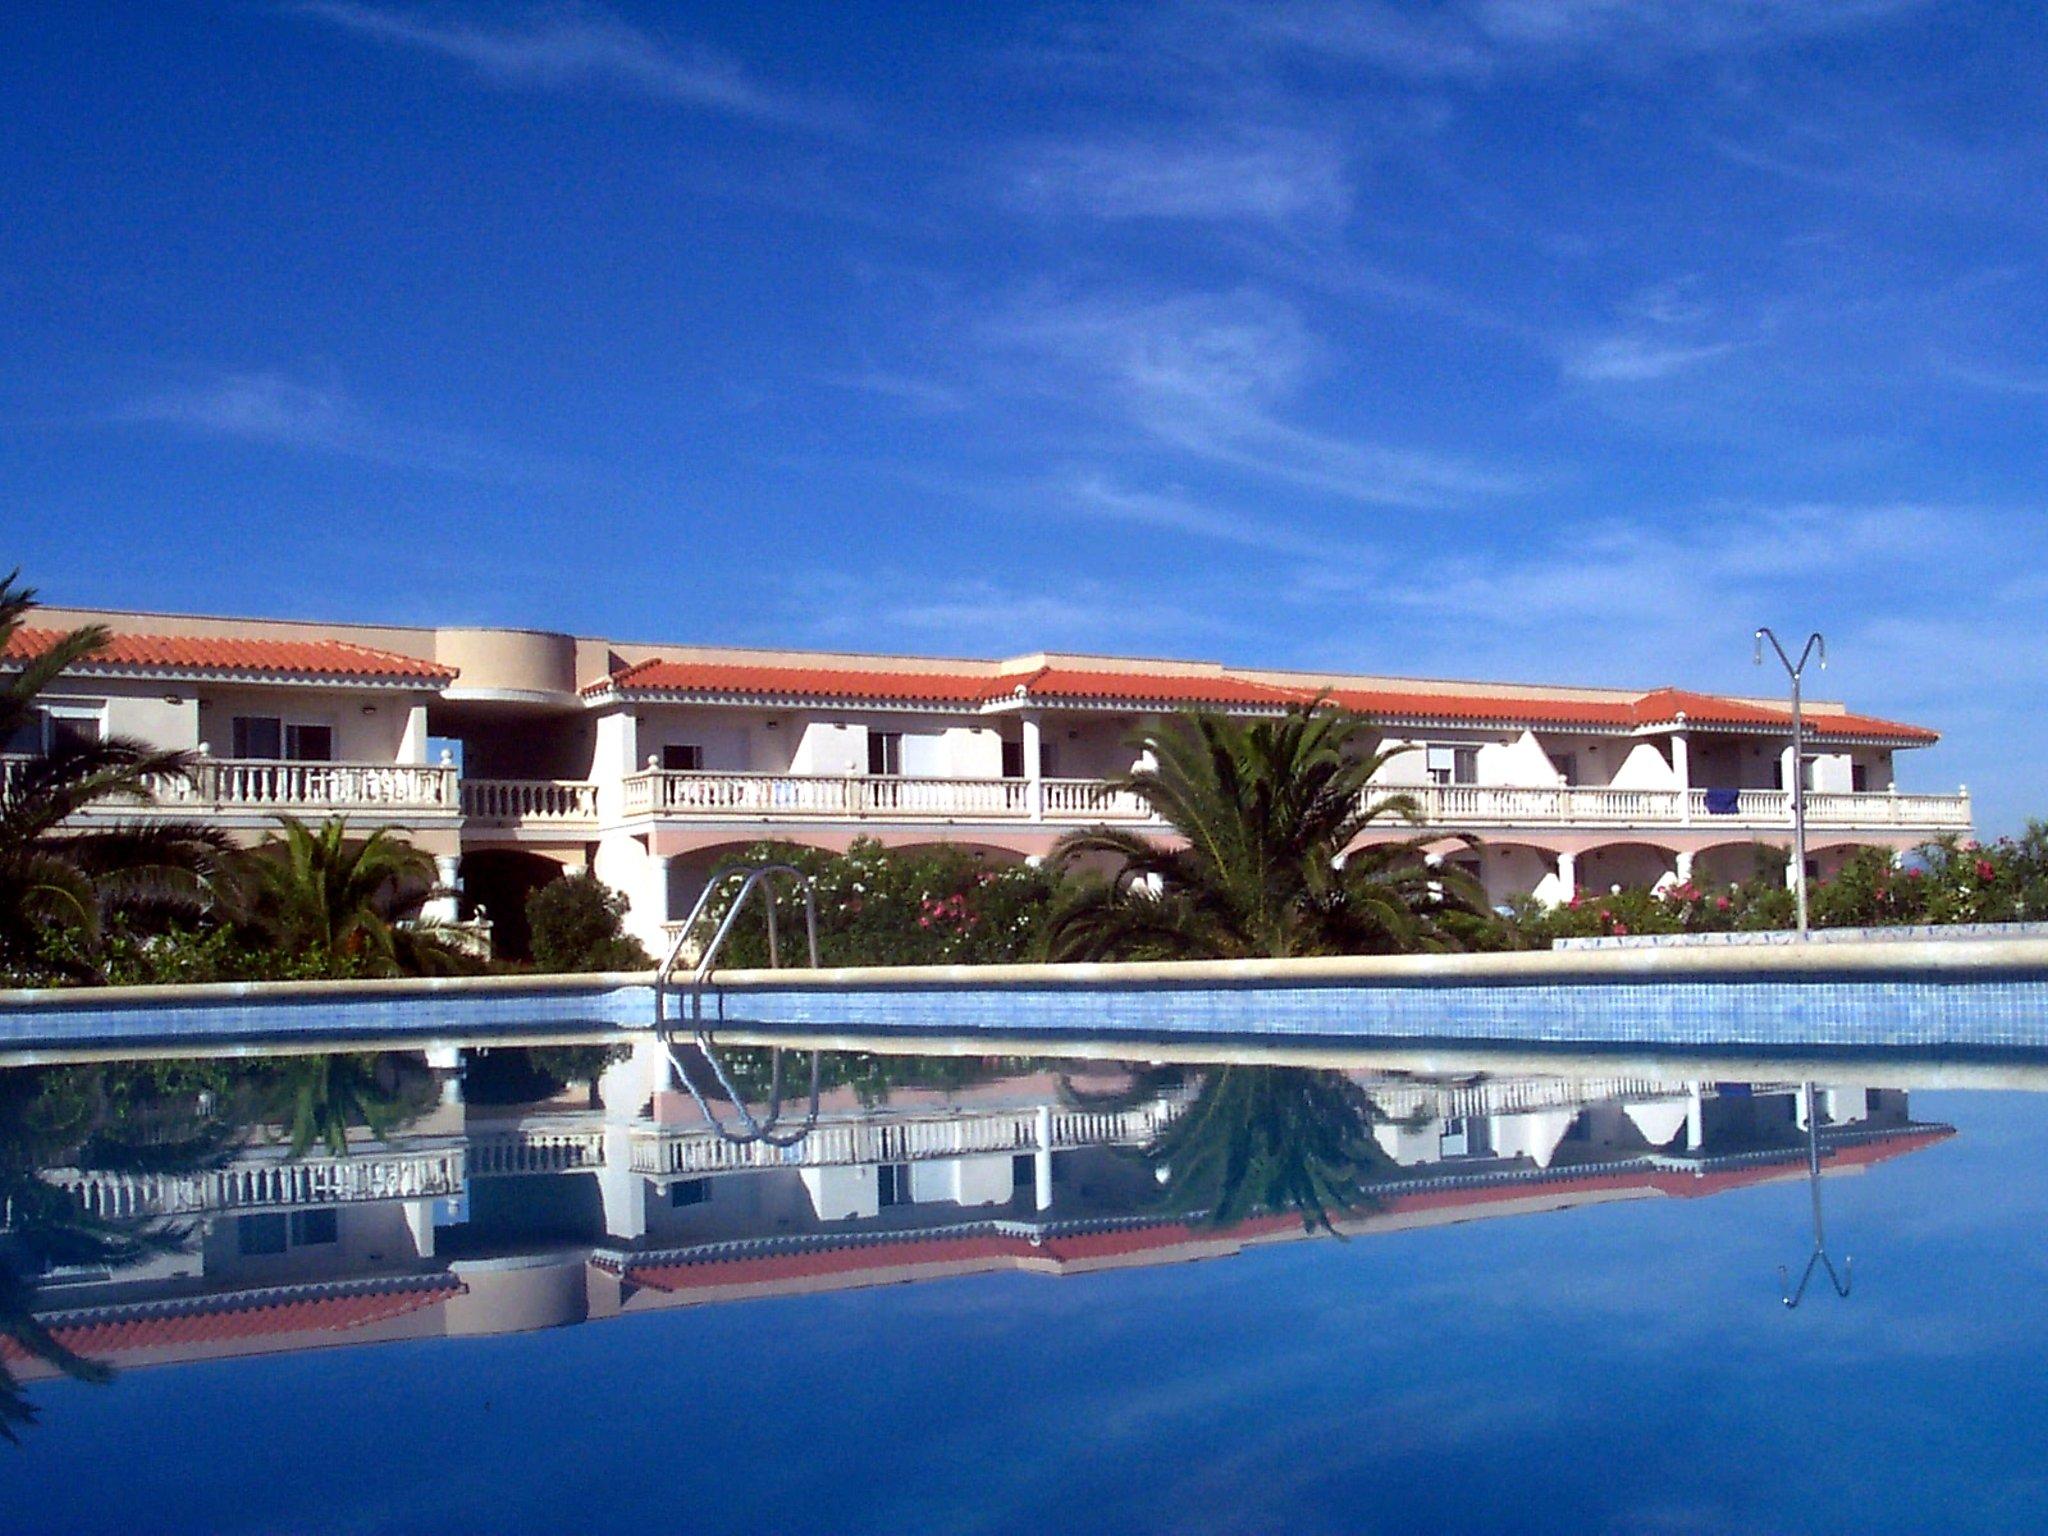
(1723, 802)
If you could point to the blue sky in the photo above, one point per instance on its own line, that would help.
(1552, 339)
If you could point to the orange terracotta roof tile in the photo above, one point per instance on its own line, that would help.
(795, 682)
(234, 654)
(1068, 683)
(99, 1332)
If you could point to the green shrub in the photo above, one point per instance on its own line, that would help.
(578, 925)
(878, 906)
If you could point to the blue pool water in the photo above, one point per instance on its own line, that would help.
(1597, 1343)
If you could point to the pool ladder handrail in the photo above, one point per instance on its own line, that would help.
(1819, 1258)
(752, 1130)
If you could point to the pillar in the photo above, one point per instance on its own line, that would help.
(651, 911)
(1681, 772)
(1034, 767)
(1567, 877)
(623, 1191)
(448, 876)
(1788, 774)
(1685, 866)
(1695, 1118)
(412, 746)
(1041, 1161)
(419, 1221)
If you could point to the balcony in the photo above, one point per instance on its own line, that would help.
(541, 805)
(261, 789)
(769, 797)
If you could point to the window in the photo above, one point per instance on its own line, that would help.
(309, 743)
(1453, 765)
(258, 736)
(682, 757)
(270, 739)
(1013, 759)
(311, 1229)
(261, 1234)
(1567, 766)
(1023, 1171)
(49, 727)
(688, 1192)
(892, 1184)
(885, 753)
(1859, 778)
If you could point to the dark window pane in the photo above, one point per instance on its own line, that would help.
(310, 743)
(682, 757)
(688, 1192)
(258, 736)
(260, 1234)
(313, 1227)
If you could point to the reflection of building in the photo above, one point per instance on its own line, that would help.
(651, 763)
(481, 1222)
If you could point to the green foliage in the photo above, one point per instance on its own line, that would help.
(1268, 813)
(577, 925)
(1262, 1139)
(1939, 883)
(878, 906)
(55, 879)
(314, 891)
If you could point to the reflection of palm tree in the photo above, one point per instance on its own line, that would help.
(1271, 1139)
(1266, 815)
(90, 1118)
(57, 880)
(318, 1098)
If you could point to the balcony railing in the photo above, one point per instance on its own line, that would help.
(904, 1139)
(529, 802)
(236, 784)
(269, 1183)
(774, 797)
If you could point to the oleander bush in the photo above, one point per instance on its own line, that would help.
(577, 924)
(881, 906)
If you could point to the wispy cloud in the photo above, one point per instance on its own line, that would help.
(1275, 177)
(1209, 374)
(1635, 359)
(1476, 38)
(1998, 378)
(1097, 496)
(913, 393)
(571, 47)
(275, 409)
(974, 616)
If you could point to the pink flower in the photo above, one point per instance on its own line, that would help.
(1723, 903)
(1985, 872)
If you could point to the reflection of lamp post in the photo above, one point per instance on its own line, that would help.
(1820, 1242)
(1798, 785)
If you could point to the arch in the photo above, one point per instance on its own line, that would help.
(498, 881)
(1628, 863)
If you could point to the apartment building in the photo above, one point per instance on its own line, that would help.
(511, 755)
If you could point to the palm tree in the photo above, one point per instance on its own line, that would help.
(1271, 1139)
(318, 1098)
(315, 890)
(1268, 813)
(58, 880)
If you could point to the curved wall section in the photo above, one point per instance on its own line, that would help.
(509, 662)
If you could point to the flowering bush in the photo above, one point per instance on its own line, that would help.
(881, 906)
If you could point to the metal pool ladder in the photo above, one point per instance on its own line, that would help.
(768, 1130)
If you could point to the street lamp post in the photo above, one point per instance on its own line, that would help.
(1815, 647)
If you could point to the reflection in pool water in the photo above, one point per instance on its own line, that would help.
(174, 1214)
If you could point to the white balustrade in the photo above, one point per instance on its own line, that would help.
(892, 1139)
(529, 1151)
(529, 802)
(269, 1182)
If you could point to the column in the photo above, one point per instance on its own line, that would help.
(622, 1191)
(656, 901)
(412, 746)
(448, 876)
(1681, 770)
(1788, 775)
(1041, 1161)
(1684, 866)
(1034, 767)
(1695, 1118)
(446, 1062)
(419, 1220)
(1567, 877)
